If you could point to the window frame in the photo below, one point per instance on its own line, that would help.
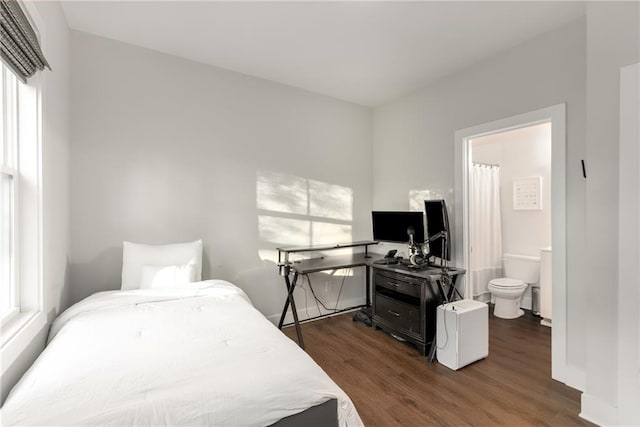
(10, 167)
(14, 252)
(31, 320)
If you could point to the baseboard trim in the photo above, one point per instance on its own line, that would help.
(572, 376)
(598, 411)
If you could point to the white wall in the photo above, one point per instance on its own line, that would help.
(169, 150)
(55, 170)
(484, 150)
(55, 152)
(414, 137)
(613, 41)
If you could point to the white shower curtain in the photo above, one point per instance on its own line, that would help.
(485, 230)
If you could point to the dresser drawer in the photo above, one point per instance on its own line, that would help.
(401, 316)
(397, 283)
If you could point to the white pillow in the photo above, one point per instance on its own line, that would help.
(135, 256)
(172, 276)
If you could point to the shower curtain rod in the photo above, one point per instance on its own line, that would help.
(488, 165)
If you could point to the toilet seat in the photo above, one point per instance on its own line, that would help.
(506, 283)
(507, 294)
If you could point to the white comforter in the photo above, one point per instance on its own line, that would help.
(197, 356)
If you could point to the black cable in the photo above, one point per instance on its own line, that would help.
(306, 304)
(315, 296)
(340, 291)
(444, 320)
(319, 301)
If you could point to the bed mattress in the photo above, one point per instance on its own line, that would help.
(201, 355)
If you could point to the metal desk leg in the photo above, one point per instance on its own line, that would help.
(286, 304)
(368, 284)
(364, 315)
(291, 286)
(443, 292)
(432, 350)
(453, 289)
(434, 343)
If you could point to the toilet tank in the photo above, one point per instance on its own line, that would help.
(522, 267)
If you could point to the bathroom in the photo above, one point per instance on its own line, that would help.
(510, 214)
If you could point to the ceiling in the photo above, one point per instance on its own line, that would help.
(364, 52)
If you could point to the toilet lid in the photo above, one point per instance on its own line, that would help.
(507, 283)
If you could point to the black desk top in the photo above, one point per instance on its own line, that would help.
(314, 265)
(430, 272)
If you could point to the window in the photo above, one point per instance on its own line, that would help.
(9, 196)
(22, 314)
(21, 292)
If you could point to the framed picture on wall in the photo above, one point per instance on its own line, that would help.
(527, 193)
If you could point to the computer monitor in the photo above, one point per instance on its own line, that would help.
(392, 226)
(438, 221)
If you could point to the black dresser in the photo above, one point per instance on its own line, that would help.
(405, 301)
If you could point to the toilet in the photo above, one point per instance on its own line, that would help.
(520, 271)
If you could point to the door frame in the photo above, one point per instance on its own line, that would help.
(556, 114)
(628, 248)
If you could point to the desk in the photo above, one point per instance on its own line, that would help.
(405, 298)
(287, 268)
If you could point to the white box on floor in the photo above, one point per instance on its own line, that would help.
(462, 333)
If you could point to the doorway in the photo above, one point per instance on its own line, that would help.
(510, 214)
(556, 116)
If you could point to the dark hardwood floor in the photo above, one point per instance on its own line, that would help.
(391, 384)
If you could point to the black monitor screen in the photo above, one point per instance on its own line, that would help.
(392, 226)
(437, 221)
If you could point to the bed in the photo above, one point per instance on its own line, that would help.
(196, 355)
